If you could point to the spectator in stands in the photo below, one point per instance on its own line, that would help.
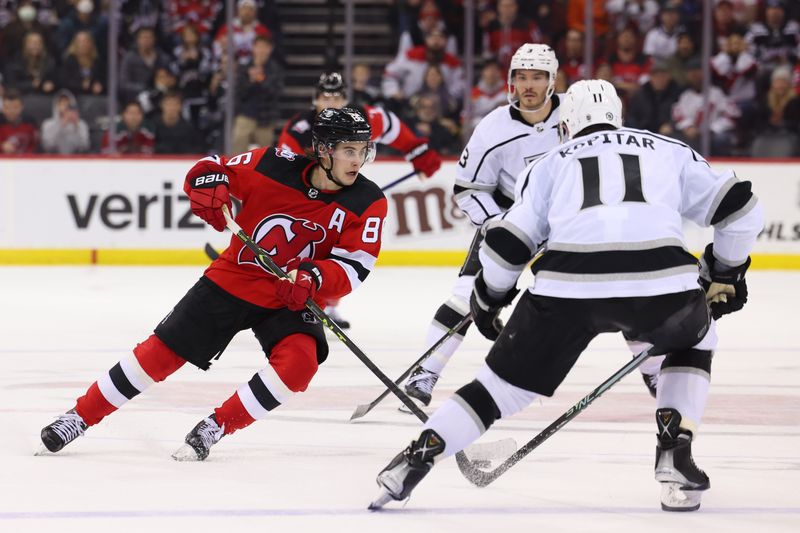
(576, 20)
(689, 114)
(638, 14)
(139, 65)
(604, 72)
(724, 24)
(138, 14)
(33, 71)
(246, 27)
(23, 22)
(508, 31)
(18, 133)
(83, 72)
(734, 70)
(84, 18)
(662, 41)
(677, 62)
(65, 132)
(404, 76)
(773, 105)
(775, 41)
(174, 134)
(650, 107)
(258, 87)
(744, 11)
(442, 133)
(571, 61)
(164, 81)
(628, 64)
(196, 14)
(426, 17)
(489, 93)
(130, 133)
(364, 91)
(791, 115)
(433, 84)
(194, 66)
(212, 114)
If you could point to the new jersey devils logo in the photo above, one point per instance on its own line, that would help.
(284, 238)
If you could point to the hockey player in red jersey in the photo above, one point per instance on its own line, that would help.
(321, 221)
(331, 92)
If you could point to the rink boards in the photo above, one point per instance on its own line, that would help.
(133, 211)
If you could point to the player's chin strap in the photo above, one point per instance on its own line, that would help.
(329, 173)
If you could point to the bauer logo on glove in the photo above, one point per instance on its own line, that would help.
(211, 180)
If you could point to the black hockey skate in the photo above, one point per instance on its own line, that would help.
(407, 469)
(420, 387)
(64, 430)
(682, 482)
(200, 440)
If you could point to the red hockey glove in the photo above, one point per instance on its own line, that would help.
(206, 186)
(424, 159)
(307, 281)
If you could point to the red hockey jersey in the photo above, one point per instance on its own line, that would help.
(386, 129)
(288, 217)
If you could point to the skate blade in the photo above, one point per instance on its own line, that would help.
(185, 453)
(676, 499)
(384, 497)
(404, 408)
(42, 450)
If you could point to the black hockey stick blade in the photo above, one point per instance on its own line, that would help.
(482, 478)
(211, 252)
(266, 261)
(401, 179)
(365, 408)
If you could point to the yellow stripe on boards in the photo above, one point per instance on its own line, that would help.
(192, 257)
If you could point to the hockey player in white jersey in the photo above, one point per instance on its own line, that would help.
(503, 143)
(610, 203)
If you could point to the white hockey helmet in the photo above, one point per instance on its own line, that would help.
(587, 103)
(532, 56)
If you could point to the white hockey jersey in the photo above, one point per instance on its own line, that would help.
(610, 206)
(501, 146)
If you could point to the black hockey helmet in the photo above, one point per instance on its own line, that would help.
(334, 126)
(331, 82)
(340, 125)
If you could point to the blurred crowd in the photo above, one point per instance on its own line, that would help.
(172, 87)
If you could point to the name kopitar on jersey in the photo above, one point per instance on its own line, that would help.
(284, 237)
(610, 137)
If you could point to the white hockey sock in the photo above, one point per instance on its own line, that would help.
(438, 360)
(685, 389)
(457, 424)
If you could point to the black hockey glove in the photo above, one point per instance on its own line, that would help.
(726, 289)
(486, 309)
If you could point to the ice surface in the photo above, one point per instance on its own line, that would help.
(307, 469)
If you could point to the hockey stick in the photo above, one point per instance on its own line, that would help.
(365, 408)
(481, 478)
(211, 252)
(398, 180)
(266, 261)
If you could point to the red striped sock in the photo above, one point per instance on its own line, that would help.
(233, 415)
